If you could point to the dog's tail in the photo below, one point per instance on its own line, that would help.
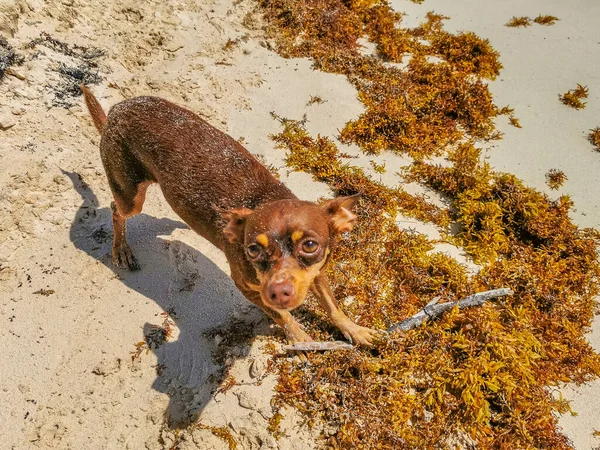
(93, 106)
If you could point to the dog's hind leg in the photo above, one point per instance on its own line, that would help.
(122, 255)
(128, 182)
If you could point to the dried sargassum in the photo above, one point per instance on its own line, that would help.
(555, 178)
(526, 21)
(594, 138)
(518, 22)
(528, 243)
(545, 19)
(574, 97)
(483, 373)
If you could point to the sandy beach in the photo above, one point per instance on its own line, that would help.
(71, 321)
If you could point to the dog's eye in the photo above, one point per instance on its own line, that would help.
(310, 246)
(253, 250)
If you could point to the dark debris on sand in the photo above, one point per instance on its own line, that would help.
(88, 54)
(8, 57)
(69, 86)
(83, 69)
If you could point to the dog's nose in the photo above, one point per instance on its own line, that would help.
(281, 293)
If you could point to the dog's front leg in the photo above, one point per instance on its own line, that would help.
(355, 333)
(292, 329)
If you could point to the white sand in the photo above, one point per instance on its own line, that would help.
(66, 377)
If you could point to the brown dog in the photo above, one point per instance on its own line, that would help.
(276, 245)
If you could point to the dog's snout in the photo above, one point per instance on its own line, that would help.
(281, 293)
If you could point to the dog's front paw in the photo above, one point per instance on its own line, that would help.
(360, 335)
(296, 334)
(123, 257)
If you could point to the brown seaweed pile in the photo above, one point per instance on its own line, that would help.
(594, 138)
(545, 19)
(555, 178)
(574, 97)
(542, 19)
(519, 22)
(479, 377)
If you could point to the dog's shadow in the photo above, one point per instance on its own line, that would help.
(201, 298)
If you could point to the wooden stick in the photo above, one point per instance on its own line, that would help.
(432, 310)
(317, 346)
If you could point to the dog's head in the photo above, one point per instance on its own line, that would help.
(288, 242)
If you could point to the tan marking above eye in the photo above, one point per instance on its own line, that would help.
(263, 240)
(297, 235)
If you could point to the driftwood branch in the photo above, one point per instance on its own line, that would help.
(432, 310)
(318, 346)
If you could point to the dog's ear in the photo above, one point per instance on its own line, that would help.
(339, 211)
(236, 219)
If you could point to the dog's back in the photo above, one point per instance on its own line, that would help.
(197, 166)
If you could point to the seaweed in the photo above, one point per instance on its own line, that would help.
(8, 57)
(69, 86)
(315, 100)
(81, 69)
(157, 336)
(555, 178)
(379, 168)
(477, 377)
(545, 20)
(230, 44)
(222, 433)
(526, 21)
(594, 138)
(518, 22)
(514, 122)
(573, 97)
(87, 54)
(322, 159)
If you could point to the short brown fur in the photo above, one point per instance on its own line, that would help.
(276, 245)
